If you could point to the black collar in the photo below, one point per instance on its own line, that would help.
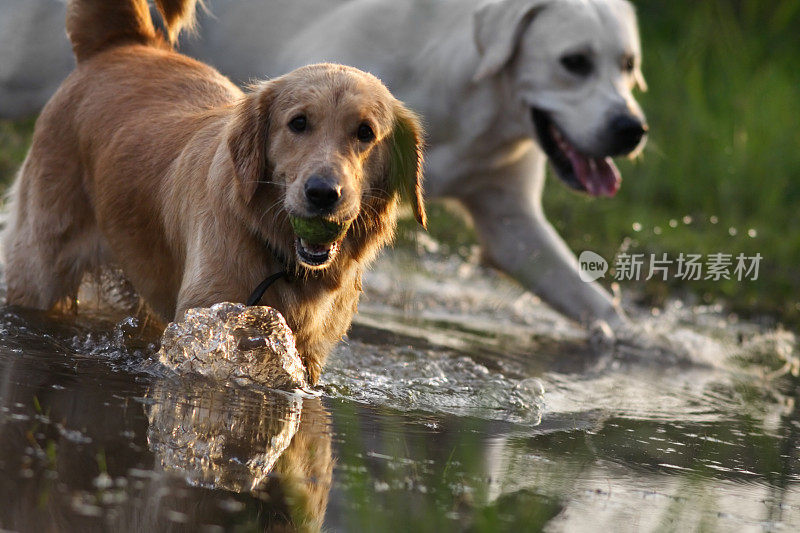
(259, 291)
(262, 287)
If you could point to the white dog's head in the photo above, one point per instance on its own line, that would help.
(571, 65)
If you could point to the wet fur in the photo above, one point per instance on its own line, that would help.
(155, 163)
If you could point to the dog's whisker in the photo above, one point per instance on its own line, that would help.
(265, 182)
(363, 223)
(277, 212)
(275, 204)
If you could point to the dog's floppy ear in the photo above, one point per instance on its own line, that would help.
(629, 15)
(405, 160)
(247, 140)
(498, 27)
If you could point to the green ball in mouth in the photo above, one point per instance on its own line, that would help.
(318, 230)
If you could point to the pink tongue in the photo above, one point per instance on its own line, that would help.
(600, 176)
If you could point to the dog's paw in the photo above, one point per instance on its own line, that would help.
(601, 334)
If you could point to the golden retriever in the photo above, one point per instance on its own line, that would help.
(157, 164)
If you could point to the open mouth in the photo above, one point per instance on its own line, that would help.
(315, 255)
(597, 176)
(317, 239)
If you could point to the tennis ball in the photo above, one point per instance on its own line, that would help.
(318, 230)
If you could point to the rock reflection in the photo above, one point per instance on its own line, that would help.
(274, 446)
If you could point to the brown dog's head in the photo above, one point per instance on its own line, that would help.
(328, 148)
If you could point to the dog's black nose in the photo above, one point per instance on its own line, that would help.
(626, 134)
(322, 192)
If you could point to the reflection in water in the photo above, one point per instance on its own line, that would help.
(88, 445)
(275, 446)
(202, 435)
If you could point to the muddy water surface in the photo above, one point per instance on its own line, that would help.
(458, 402)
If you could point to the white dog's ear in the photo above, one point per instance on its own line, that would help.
(498, 27)
(247, 140)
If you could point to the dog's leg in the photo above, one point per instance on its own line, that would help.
(205, 291)
(51, 238)
(516, 238)
(217, 277)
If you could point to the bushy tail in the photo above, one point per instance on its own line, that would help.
(95, 25)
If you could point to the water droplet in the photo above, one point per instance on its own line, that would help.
(103, 481)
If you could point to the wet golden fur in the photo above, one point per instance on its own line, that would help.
(157, 164)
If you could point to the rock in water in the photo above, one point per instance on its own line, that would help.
(230, 341)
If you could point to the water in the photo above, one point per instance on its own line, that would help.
(458, 402)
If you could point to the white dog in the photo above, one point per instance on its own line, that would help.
(36, 55)
(502, 86)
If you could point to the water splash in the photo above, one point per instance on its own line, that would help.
(434, 381)
(482, 347)
(234, 342)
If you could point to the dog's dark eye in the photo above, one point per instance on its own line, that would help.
(628, 64)
(578, 64)
(365, 133)
(298, 124)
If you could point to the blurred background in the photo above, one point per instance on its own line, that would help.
(720, 173)
(721, 170)
(469, 422)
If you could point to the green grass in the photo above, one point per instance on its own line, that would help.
(724, 110)
(15, 137)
